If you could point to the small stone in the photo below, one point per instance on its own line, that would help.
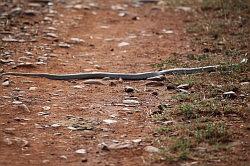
(97, 66)
(9, 39)
(64, 45)
(24, 107)
(104, 146)
(135, 18)
(167, 31)
(76, 40)
(17, 102)
(6, 83)
(53, 35)
(30, 12)
(155, 93)
(43, 113)
(151, 149)
(15, 12)
(129, 89)
(183, 86)
(122, 44)
(183, 91)
(72, 128)
(109, 121)
(78, 86)
(81, 151)
(84, 160)
(130, 102)
(33, 88)
(170, 122)
(184, 8)
(136, 141)
(46, 108)
(55, 125)
(104, 27)
(126, 109)
(45, 161)
(244, 83)
(64, 157)
(122, 145)
(122, 14)
(230, 94)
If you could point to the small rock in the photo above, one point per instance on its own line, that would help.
(84, 160)
(104, 146)
(96, 82)
(104, 27)
(9, 39)
(230, 94)
(190, 163)
(72, 128)
(154, 83)
(76, 40)
(53, 35)
(122, 14)
(183, 91)
(45, 161)
(151, 149)
(244, 83)
(33, 88)
(112, 83)
(171, 86)
(117, 7)
(130, 102)
(30, 12)
(122, 44)
(135, 18)
(64, 45)
(121, 145)
(183, 86)
(17, 102)
(169, 122)
(24, 107)
(167, 31)
(15, 12)
(46, 108)
(78, 86)
(184, 8)
(43, 113)
(109, 121)
(64, 157)
(55, 125)
(6, 83)
(136, 141)
(81, 151)
(129, 89)
(97, 66)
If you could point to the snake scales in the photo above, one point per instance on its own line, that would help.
(124, 76)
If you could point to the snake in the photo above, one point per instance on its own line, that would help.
(124, 76)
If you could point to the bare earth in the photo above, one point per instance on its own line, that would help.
(65, 116)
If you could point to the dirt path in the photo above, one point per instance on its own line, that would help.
(63, 102)
(111, 122)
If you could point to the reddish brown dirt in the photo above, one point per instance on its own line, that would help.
(93, 103)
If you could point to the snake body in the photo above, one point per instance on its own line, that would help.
(124, 76)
